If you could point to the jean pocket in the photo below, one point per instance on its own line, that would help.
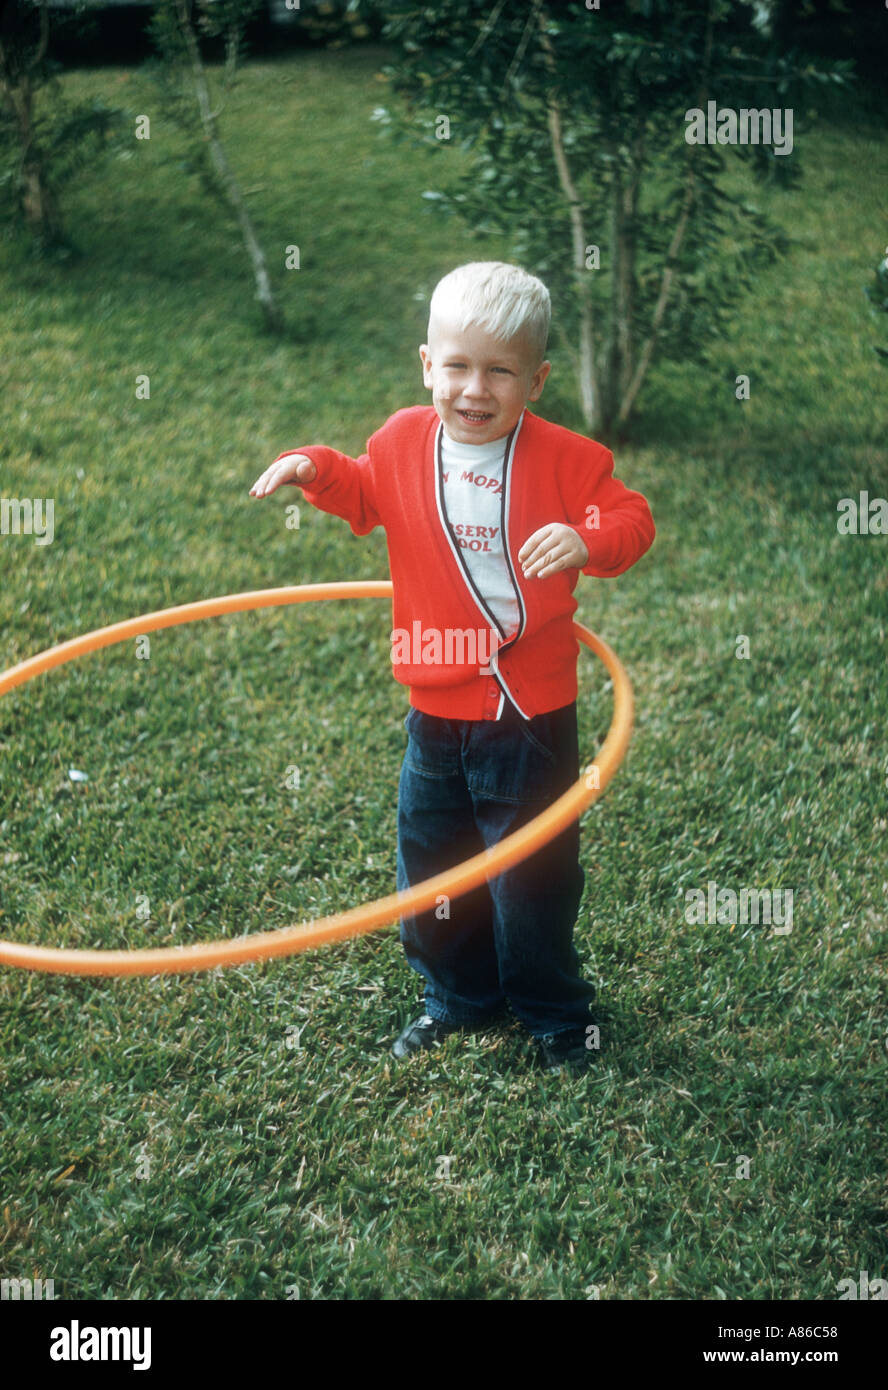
(535, 742)
(432, 749)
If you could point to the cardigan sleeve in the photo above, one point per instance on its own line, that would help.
(343, 486)
(616, 526)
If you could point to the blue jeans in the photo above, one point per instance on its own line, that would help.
(465, 784)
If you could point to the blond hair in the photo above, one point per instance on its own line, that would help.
(498, 297)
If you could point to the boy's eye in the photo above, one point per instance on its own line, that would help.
(461, 367)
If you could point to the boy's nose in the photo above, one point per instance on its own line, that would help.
(475, 385)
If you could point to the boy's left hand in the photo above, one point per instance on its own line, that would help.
(551, 549)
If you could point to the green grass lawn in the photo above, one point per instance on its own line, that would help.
(164, 1138)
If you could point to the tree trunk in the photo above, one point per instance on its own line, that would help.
(274, 319)
(625, 266)
(37, 202)
(629, 397)
(584, 365)
(587, 373)
(618, 356)
(633, 385)
(612, 350)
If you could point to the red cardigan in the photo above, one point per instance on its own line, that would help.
(550, 474)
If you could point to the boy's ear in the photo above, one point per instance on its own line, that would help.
(538, 381)
(426, 364)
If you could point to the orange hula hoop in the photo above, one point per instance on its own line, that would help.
(286, 941)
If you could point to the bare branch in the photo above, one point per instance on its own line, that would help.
(522, 45)
(486, 28)
(43, 43)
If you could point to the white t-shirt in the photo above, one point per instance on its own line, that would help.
(472, 487)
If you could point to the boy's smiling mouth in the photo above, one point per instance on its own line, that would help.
(475, 417)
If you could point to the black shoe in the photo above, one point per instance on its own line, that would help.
(423, 1032)
(566, 1051)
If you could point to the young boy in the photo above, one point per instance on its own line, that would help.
(490, 514)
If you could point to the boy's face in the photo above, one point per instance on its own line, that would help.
(480, 384)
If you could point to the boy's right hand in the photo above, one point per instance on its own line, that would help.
(293, 468)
